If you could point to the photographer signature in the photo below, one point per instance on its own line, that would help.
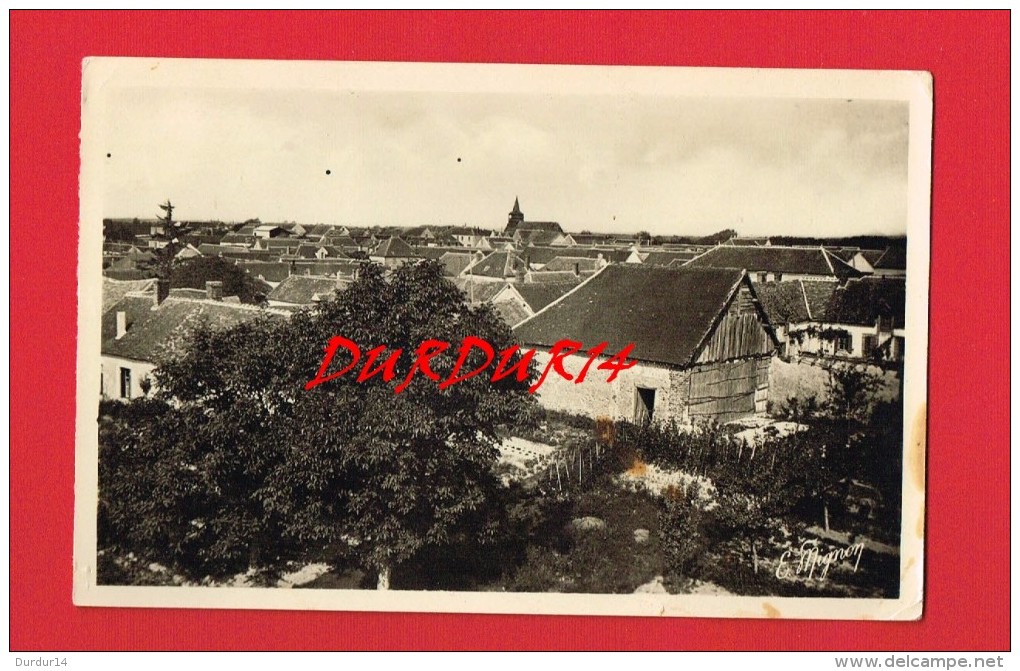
(808, 558)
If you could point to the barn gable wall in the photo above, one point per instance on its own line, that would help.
(740, 333)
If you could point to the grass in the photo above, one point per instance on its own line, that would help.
(605, 560)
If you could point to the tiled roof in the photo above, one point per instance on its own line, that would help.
(278, 243)
(539, 295)
(550, 226)
(592, 238)
(114, 290)
(124, 263)
(338, 240)
(394, 248)
(795, 301)
(244, 238)
(436, 253)
(467, 230)
(303, 289)
(324, 267)
(268, 271)
(477, 292)
(497, 264)
(817, 296)
(208, 249)
(539, 237)
(306, 251)
(455, 263)
(555, 276)
(894, 258)
(665, 312)
(784, 302)
(792, 260)
(126, 274)
(168, 325)
(136, 307)
(568, 262)
(862, 301)
(543, 255)
(511, 311)
(667, 258)
(312, 230)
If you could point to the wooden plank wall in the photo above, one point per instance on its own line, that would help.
(737, 336)
(724, 391)
(761, 390)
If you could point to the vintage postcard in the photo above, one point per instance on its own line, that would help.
(502, 339)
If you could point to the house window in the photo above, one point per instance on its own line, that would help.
(125, 383)
(898, 346)
(644, 406)
(870, 345)
(779, 277)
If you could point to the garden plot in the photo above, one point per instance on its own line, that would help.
(520, 459)
(765, 428)
(656, 481)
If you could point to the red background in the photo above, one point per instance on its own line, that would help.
(967, 586)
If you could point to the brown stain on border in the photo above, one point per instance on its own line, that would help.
(771, 611)
(906, 568)
(916, 448)
(919, 531)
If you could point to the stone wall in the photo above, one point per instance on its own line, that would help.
(597, 398)
(810, 377)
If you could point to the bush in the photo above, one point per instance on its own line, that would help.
(681, 524)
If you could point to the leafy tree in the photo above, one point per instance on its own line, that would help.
(245, 468)
(716, 238)
(165, 256)
(195, 272)
(118, 231)
(851, 391)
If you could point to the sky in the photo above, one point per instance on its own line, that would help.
(659, 163)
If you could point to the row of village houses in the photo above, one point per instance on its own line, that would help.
(704, 322)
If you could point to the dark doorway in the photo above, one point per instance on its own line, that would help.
(645, 405)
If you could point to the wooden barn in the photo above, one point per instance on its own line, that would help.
(701, 339)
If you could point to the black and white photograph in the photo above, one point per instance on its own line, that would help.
(502, 338)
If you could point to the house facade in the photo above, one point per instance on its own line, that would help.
(142, 328)
(861, 319)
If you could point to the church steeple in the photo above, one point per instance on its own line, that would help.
(516, 216)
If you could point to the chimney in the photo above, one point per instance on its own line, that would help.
(577, 269)
(214, 291)
(162, 290)
(293, 267)
(527, 261)
(121, 324)
(602, 260)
